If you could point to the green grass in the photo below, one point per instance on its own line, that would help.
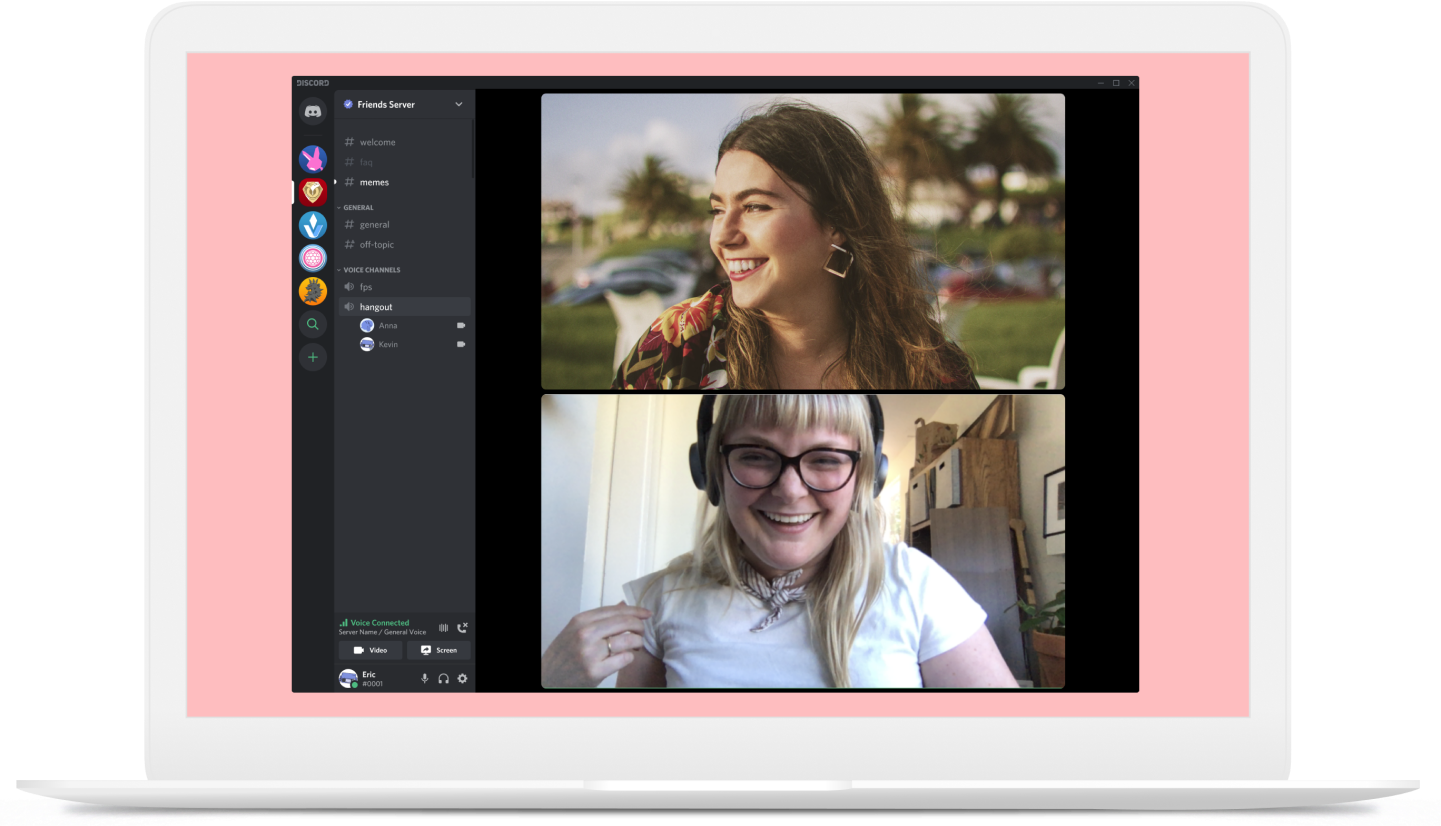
(576, 347)
(1010, 244)
(1005, 336)
(577, 343)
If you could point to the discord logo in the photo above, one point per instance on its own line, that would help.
(312, 111)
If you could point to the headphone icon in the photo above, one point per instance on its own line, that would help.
(706, 420)
(444, 680)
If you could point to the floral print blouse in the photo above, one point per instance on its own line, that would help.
(685, 349)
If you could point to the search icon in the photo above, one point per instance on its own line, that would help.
(312, 324)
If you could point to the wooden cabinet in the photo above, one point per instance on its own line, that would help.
(973, 540)
(974, 545)
(990, 477)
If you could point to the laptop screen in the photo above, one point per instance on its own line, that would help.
(401, 532)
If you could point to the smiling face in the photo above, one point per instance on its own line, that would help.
(766, 237)
(775, 548)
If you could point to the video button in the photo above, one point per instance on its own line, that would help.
(374, 650)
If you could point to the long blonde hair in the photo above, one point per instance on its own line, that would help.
(893, 341)
(854, 564)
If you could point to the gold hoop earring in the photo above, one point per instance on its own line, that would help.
(842, 273)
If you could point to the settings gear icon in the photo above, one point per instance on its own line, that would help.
(461, 678)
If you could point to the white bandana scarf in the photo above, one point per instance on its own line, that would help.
(773, 592)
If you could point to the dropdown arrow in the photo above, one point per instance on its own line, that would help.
(457, 103)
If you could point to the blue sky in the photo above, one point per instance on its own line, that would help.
(587, 141)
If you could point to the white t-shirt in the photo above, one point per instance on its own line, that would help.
(921, 612)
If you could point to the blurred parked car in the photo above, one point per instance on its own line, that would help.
(1007, 279)
(679, 258)
(632, 281)
(602, 269)
(671, 281)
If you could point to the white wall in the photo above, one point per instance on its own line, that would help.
(1041, 428)
(678, 497)
(567, 442)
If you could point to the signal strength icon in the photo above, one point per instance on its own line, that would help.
(345, 622)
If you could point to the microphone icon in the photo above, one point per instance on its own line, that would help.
(424, 679)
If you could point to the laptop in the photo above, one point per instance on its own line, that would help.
(293, 486)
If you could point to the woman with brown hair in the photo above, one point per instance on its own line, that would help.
(822, 289)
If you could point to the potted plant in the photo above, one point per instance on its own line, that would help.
(1049, 642)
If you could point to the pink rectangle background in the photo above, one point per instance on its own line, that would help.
(1194, 157)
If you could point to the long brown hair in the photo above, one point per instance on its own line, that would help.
(892, 339)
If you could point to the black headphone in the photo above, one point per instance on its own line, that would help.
(706, 420)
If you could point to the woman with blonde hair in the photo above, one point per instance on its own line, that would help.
(822, 288)
(791, 584)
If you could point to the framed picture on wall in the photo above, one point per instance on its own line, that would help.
(1055, 502)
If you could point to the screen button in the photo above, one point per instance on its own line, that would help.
(437, 650)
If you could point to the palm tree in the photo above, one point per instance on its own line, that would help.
(921, 140)
(653, 191)
(1005, 136)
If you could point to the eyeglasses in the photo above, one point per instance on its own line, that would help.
(822, 469)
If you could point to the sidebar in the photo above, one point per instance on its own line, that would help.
(312, 386)
(383, 417)
(403, 361)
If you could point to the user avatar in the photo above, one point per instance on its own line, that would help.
(312, 192)
(367, 344)
(312, 225)
(312, 257)
(312, 159)
(348, 679)
(312, 291)
(366, 325)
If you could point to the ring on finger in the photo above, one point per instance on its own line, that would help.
(608, 652)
